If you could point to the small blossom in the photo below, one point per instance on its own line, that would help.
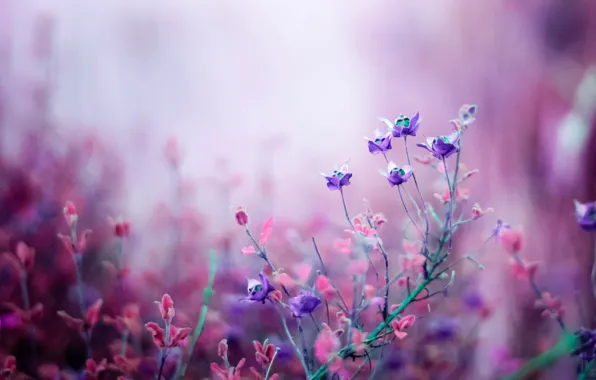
(26, 255)
(9, 367)
(304, 303)
(404, 126)
(338, 179)
(461, 194)
(166, 308)
(379, 219)
(263, 352)
(248, 250)
(176, 336)
(396, 175)
(552, 306)
(403, 324)
(93, 369)
(258, 290)
(442, 146)
(80, 246)
(412, 261)
(120, 227)
(70, 214)
(467, 114)
(380, 144)
(343, 246)
(266, 233)
(586, 215)
(323, 285)
(231, 373)
(511, 240)
(478, 212)
(241, 216)
(91, 318)
(523, 270)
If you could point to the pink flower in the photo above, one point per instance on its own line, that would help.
(81, 244)
(511, 240)
(400, 325)
(357, 267)
(326, 345)
(552, 306)
(232, 373)
(343, 245)
(91, 318)
(263, 352)
(166, 308)
(478, 212)
(379, 219)
(70, 214)
(177, 335)
(241, 216)
(120, 227)
(26, 255)
(222, 348)
(9, 367)
(323, 285)
(369, 291)
(172, 152)
(266, 233)
(461, 194)
(523, 270)
(358, 338)
(412, 247)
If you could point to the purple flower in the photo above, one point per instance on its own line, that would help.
(586, 215)
(467, 114)
(396, 175)
(403, 125)
(380, 144)
(442, 146)
(258, 290)
(443, 329)
(338, 179)
(304, 303)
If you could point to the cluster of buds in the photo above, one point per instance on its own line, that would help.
(172, 336)
(227, 372)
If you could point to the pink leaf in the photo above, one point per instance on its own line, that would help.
(267, 227)
(248, 250)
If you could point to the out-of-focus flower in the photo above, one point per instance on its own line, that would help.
(461, 194)
(176, 336)
(511, 240)
(323, 285)
(504, 362)
(358, 338)
(9, 367)
(93, 369)
(241, 216)
(327, 345)
(523, 270)
(467, 114)
(258, 290)
(26, 255)
(91, 318)
(412, 261)
(70, 214)
(172, 152)
(304, 303)
(425, 160)
(478, 212)
(442, 329)
(552, 306)
(338, 179)
(343, 245)
(231, 373)
(442, 146)
(263, 352)
(166, 308)
(379, 219)
(80, 246)
(380, 144)
(120, 227)
(586, 215)
(396, 175)
(399, 326)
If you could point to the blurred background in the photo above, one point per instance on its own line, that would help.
(258, 98)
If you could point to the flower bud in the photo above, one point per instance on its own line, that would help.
(70, 213)
(222, 348)
(241, 216)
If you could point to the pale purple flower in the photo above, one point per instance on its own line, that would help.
(403, 125)
(442, 146)
(467, 114)
(396, 175)
(380, 144)
(258, 290)
(304, 303)
(586, 215)
(338, 179)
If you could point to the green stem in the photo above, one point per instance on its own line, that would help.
(271, 363)
(208, 292)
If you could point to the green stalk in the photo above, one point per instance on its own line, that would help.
(208, 292)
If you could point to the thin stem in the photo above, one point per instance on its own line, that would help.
(208, 292)
(343, 201)
(289, 335)
(407, 212)
(271, 363)
(327, 275)
(449, 221)
(419, 192)
(164, 351)
(24, 291)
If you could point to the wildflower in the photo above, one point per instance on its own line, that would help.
(467, 114)
(586, 215)
(323, 285)
(339, 178)
(358, 338)
(264, 352)
(266, 233)
(176, 336)
(166, 308)
(478, 212)
(120, 227)
(523, 270)
(241, 216)
(76, 247)
(552, 306)
(511, 240)
(93, 369)
(461, 194)
(70, 214)
(343, 246)
(587, 345)
(400, 325)
(304, 303)
(442, 329)
(379, 219)
(231, 373)
(357, 267)
(396, 175)
(443, 146)
(412, 261)
(258, 290)
(380, 144)
(91, 318)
